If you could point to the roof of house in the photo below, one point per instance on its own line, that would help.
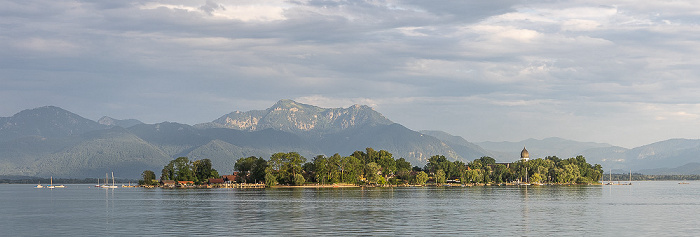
(216, 181)
(168, 181)
(229, 177)
(185, 182)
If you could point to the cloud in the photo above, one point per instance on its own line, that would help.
(486, 70)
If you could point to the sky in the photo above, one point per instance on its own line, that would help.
(625, 73)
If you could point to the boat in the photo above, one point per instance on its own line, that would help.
(107, 184)
(683, 183)
(128, 186)
(609, 181)
(55, 186)
(39, 185)
(51, 185)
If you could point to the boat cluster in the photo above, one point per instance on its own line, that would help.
(51, 186)
(106, 184)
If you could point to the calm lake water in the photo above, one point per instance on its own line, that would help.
(660, 208)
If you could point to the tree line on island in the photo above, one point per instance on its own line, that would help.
(371, 167)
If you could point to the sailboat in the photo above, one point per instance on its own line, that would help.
(98, 183)
(51, 186)
(110, 186)
(609, 181)
(39, 185)
(105, 183)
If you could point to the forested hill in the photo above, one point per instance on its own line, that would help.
(50, 141)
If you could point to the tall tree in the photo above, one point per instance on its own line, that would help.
(387, 164)
(148, 177)
(352, 169)
(168, 172)
(250, 169)
(440, 177)
(183, 169)
(321, 168)
(371, 172)
(203, 170)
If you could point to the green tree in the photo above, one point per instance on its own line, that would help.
(183, 169)
(352, 169)
(335, 169)
(371, 172)
(270, 177)
(287, 166)
(500, 173)
(308, 171)
(299, 179)
(168, 172)
(440, 177)
(203, 170)
(258, 172)
(458, 168)
(245, 166)
(536, 178)
(148, 177)
(571, 173)
(404, 174)
(421, 178)
(438, 162)
(486, 160)
(474, 176)
(321, 168)
(401, 163)
(476, 165)
(387, 164)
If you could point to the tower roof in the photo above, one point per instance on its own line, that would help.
(524, 154)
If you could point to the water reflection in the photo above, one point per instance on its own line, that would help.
(644, 209)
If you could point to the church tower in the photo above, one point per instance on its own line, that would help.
(524, 155)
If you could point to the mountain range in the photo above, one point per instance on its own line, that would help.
(50, 141)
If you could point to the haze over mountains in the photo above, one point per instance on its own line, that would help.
(50, 141)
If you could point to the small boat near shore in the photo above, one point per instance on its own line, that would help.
(55, 186)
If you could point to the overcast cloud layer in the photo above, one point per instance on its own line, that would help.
(622, 72)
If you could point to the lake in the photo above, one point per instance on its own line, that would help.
(652, 208)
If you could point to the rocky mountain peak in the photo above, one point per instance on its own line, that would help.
(291, 116)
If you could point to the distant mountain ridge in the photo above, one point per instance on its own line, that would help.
(124, 123)
(47, 121)
(290, 116)
(50, 141)
(553, 146)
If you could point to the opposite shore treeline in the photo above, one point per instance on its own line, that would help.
(371, 167)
